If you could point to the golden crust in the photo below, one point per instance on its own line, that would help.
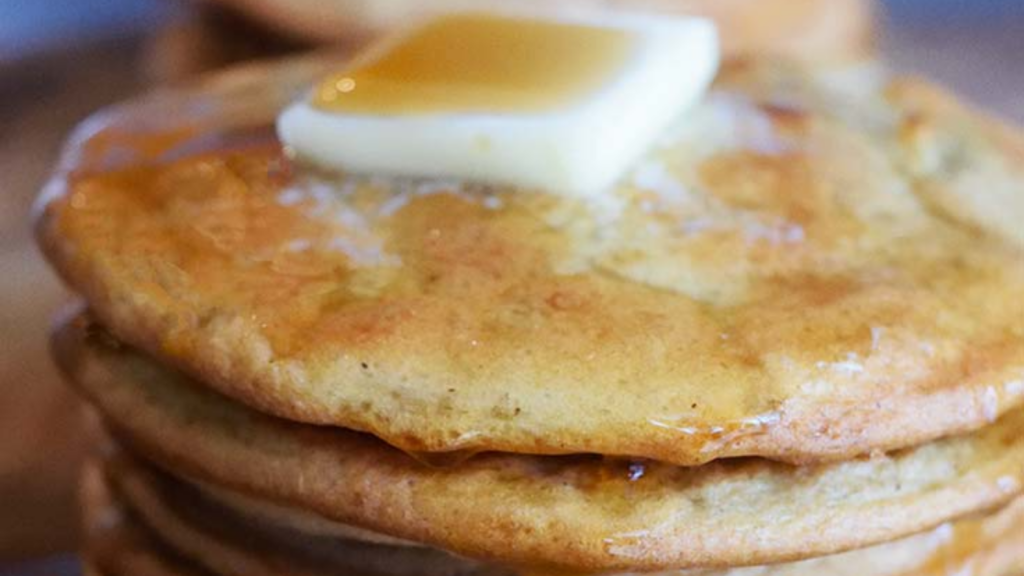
(227, 543)
(578, 513)
(822, 30)
(789, 276)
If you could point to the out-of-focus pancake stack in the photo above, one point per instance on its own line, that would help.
(223, 32)
(821, 30)
(792, 344)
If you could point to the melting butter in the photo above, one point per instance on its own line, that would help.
(480, 63)
(558, 105)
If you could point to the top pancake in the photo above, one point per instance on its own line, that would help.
(807, 265)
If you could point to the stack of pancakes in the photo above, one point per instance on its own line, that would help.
(790, 342)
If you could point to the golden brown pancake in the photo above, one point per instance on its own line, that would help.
(810, 266)
(820, 30)
(230, 543)
(576, 513)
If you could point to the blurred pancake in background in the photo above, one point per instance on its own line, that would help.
(825, 30)
(223, 32)
(212, 37)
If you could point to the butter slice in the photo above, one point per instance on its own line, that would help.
(564, 105)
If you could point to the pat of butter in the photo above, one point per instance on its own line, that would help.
(564, 104)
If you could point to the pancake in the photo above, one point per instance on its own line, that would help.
(985, 544)
(583, 513)
(807, 265)
(823, 30)
(227, 543)
(209, 39)
(230, 543)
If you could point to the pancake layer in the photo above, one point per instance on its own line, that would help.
(577, 513)
(230, 544)
(804, 267)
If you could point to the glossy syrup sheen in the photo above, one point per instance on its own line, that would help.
(480, 63)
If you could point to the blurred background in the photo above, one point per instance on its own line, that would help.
(62, 59)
